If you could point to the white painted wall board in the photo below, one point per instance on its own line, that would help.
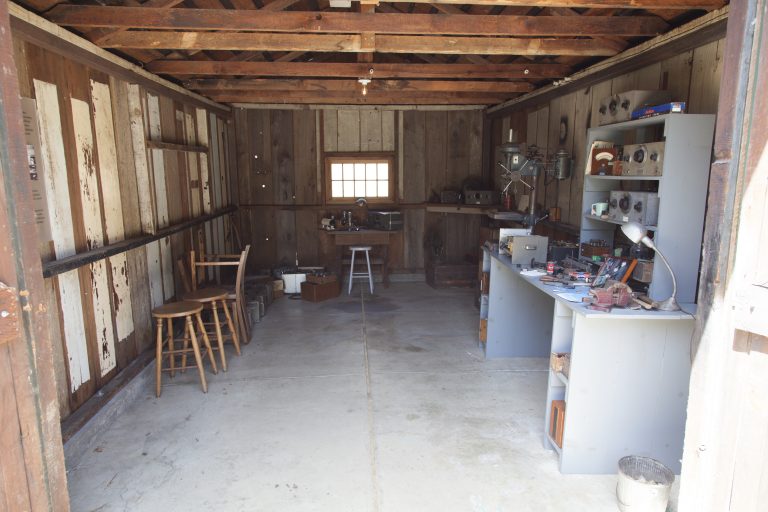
(62, 231)
(113, 206)
(143, 178)
(92, 222)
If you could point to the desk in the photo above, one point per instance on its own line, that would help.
(372, 237)
(627, 390)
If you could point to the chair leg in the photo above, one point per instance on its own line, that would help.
(351, 272)
(171, 355)
(207, 342)
(219, 338)
(198, 358)
(159, 357)
(232, 330)
(370, 273)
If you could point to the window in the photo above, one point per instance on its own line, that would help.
(370, 176)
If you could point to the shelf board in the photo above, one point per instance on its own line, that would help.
(466, 209)
(609, 221)
(170, 146)
(623, 178)
(562, 377)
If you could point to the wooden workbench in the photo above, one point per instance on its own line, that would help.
(376, 238)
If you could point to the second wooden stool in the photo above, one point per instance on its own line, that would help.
(217, 298)
(186, 310)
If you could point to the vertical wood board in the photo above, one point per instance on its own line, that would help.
(113, 207)
(91, 204)
(57, 190)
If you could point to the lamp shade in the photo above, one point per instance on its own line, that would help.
(634, 231)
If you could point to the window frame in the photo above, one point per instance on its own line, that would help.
(360, 157)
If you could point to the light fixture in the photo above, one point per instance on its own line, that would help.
(637, 233)
(364, 82)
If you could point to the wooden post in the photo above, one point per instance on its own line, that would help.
(32, 464)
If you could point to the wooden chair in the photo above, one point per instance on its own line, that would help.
(236, 292)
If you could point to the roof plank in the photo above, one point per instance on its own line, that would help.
(185, 40)
(353, 23)
(351, 85)
(529, 71)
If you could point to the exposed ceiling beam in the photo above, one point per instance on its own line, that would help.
(577, 4)
(334, 97)
(698, 32)
(355, 43)
(353, 70)
(354, 23)
(158, 5)
(351, 85)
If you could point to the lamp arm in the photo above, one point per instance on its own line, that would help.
(669, 267)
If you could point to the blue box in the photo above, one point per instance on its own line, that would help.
(675, 107)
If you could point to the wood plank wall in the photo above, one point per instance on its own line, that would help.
(103, 186)
(280, 191)
(693, 77)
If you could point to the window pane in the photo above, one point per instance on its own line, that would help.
(349, 189)
(370, 189)
(370, 171)
(349, 171)
(359, 189)
(383, 188)
(383, 171)
(360, 171)
(335, 172)
(337, 189)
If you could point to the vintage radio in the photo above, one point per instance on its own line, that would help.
(643, 159)
(642, 207)
(481, 197)
(619, 107)
(388, 221)
(450, 197)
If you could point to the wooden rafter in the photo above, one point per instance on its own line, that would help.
(351, 85)
(354, 43)
(352, 70)
(578, 4)
(336, 97)
(354, 23)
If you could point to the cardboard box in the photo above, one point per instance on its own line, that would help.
(315, 292)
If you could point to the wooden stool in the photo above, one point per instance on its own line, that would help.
(217, 298)
(352, 274)
(186, 310)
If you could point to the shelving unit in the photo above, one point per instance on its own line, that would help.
(682, 189)
(627, 387)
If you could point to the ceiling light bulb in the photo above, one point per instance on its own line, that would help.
(364, 82)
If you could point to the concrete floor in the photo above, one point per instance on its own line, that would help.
(377, 404)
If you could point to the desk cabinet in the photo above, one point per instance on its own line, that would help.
(627, 389)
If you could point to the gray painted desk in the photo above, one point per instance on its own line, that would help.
(627, 390)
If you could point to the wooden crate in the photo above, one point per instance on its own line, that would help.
(315, 292)
(443, 275)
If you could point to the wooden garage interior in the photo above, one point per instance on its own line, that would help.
(139, 135)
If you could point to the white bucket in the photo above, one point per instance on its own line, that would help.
(644, 485)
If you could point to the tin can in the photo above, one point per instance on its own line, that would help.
(550, 267)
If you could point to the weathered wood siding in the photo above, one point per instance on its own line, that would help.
(103, 186)
(693, 77)
(280, 187)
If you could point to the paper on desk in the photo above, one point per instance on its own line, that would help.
(532, 273)
(571, 296)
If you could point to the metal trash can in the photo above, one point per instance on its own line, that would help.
(644, 485)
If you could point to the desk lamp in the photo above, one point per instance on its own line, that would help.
(637, 233)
